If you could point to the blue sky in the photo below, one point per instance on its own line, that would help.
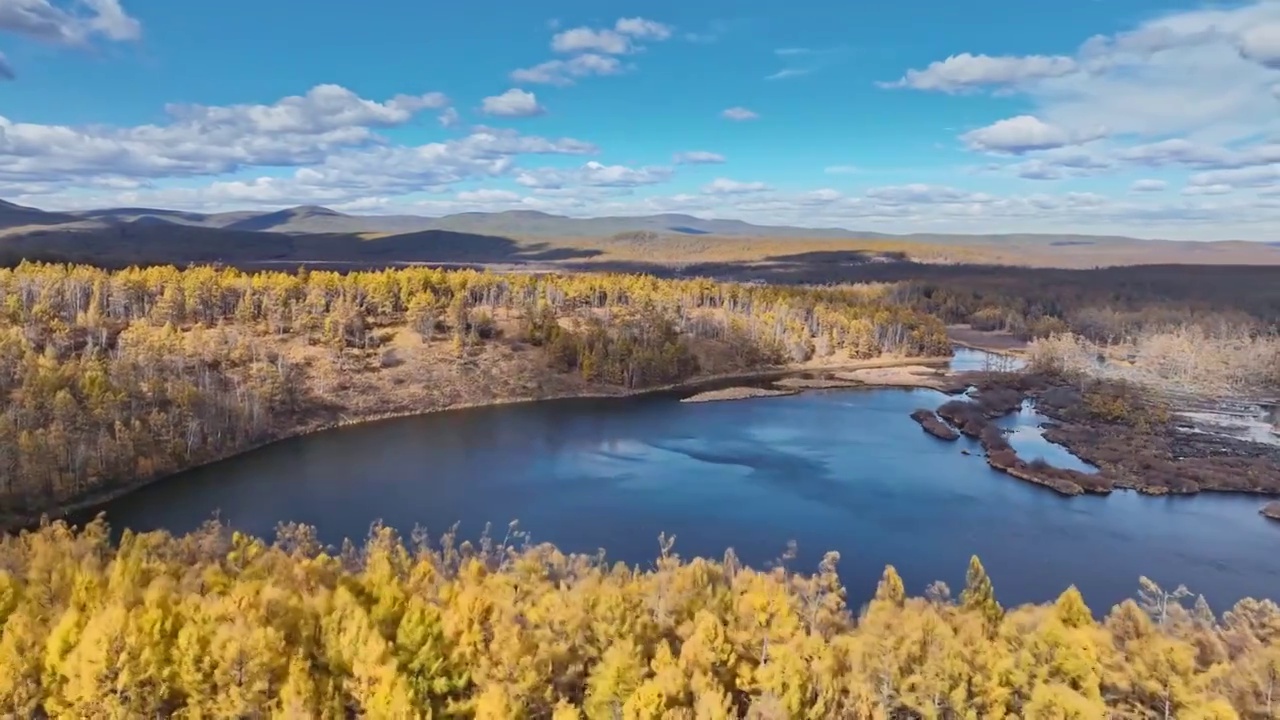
(1098, 116)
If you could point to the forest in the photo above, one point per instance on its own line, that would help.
(217, 624)
(113, 377)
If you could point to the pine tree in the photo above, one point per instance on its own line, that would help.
(979, 596)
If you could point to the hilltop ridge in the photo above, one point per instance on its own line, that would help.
(318, 234)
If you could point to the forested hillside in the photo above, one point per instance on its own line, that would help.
(221, 625)
(108, 378)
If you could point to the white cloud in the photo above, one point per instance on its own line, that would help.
(841, 169)
(787, 73)
(200, 139)
(738, 114)
(1024, 133)
(1038, 170)
(564, 72)
(488, 196)
(323, 108)
(594, 174)
(965, 72)
(1261, 44)
(328, 135)
(449, 117)
(1257, 176)
(697, 157)
(75, 26)
(789, 51)
(1216, 189)
(513, 103)
(725, 186)
(584, 39)
(611, 41)
(901, 208)
(592, 48)
(1202, 75)
(1147, 185)
(920, 193)
(643, 29)
(42, 20)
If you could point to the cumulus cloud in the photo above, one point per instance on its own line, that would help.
(449, 117)
(583, 39)
(200, 139)
(565, 72)
(725, 186)
(697, 157)
(1025, 133)
(75, 24)
(1147, 185)
(512, 103)
(617, 40)
(963, 72)
(1261, 44)
(900, 208)
(640, 28)
(1256, 176)
(593, 50)
(594, 174)
(738, 114)
(921, 193)
(328, 135)
(322, 108)
(1203, 75)
(44, 21)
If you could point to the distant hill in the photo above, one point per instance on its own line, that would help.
(319, 234)
(310, 219)
(14, 216)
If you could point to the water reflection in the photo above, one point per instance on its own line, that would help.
(968, 359)
(1025, 434)
(834, 470)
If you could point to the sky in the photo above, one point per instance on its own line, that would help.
(1136, 117)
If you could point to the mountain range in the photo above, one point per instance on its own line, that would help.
(311, 219)
(317, 234)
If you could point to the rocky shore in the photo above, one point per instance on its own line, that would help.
(1132, 442)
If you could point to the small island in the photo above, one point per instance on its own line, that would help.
(737, 393)
(934, 425)
(1271, 510)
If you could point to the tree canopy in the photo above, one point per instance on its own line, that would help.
(218, 624)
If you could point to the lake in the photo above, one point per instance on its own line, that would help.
(843, 470)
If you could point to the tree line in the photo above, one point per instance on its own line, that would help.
(111, 376)
(222, 625)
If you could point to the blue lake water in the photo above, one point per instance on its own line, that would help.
(843, 470)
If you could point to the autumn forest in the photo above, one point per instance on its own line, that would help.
(113, 378)
(220, 625)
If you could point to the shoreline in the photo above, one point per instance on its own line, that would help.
(17, 523)
(1156, 476)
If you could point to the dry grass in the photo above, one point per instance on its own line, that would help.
(1182, 360)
